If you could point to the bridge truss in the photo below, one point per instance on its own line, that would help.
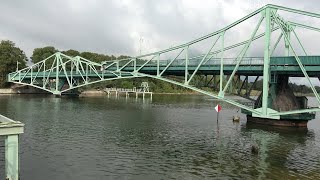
(60, 73)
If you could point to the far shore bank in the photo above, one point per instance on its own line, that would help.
(88, 93)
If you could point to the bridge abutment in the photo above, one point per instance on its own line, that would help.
(281, 98)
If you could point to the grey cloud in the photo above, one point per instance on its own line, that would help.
(106, 27)
(99, 29)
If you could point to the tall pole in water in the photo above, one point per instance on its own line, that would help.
(218, 109)
(17, 65)
(141, 41)
(217, 116)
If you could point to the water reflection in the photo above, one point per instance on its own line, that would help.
(277, 145)
(170, 137)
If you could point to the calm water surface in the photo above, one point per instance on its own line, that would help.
(172, 137)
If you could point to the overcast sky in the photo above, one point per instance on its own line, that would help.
(116, 26)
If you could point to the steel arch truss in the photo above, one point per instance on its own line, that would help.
(60, 73)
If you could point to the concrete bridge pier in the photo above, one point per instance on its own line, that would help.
(281, 98)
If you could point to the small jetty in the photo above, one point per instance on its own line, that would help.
(143, 89)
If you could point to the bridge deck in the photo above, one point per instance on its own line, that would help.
(249, 66)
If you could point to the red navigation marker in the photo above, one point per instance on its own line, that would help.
(218, 108)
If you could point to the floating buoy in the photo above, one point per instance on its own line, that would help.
(236, 118)
(255, 149)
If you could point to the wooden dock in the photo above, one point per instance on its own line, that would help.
(127, 92)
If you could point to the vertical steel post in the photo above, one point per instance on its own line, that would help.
(286, 42)
(102, 72)
(266, 63)
(186, 66)
(71, 74)
(86, 73)
(44, 74)
(77, 64)
(57, 72)
(19, 76)
(117, 63)
(158, 65)
(11, 157)
(221, 92)
(31, 79)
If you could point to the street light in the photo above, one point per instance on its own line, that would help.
(141, 41)
(18, 65)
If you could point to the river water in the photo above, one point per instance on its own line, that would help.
(170, 137)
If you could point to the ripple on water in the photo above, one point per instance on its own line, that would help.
(172, 137)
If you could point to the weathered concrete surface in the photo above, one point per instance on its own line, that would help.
(92, 93)
(284, 99)
(272, 122)
(7, 91)
(281, 96)
(22, 90)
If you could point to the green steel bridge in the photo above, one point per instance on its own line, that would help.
(181, 64)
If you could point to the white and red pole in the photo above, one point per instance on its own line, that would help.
(218, 109)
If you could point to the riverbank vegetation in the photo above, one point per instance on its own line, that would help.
(10, 57)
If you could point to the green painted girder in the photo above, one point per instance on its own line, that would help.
(27, 76)
(279, 65)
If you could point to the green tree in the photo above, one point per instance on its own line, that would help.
(40, 54)
(71, 53)
(95, 57)
(9, 56)
(122, 57)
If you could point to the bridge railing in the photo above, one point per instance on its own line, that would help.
(195, 62)
(124, 89)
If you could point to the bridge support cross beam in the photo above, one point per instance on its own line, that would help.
(186, 72)
(221, 92)
(57, 71)
(266, 63)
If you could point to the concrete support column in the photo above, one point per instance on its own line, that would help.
(11, 157)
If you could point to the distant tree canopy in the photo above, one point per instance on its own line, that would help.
(9, 56)
(95, 57)
(71, 53)
(40, 54)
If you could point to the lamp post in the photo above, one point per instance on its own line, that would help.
(141, 41)
(18, 65)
